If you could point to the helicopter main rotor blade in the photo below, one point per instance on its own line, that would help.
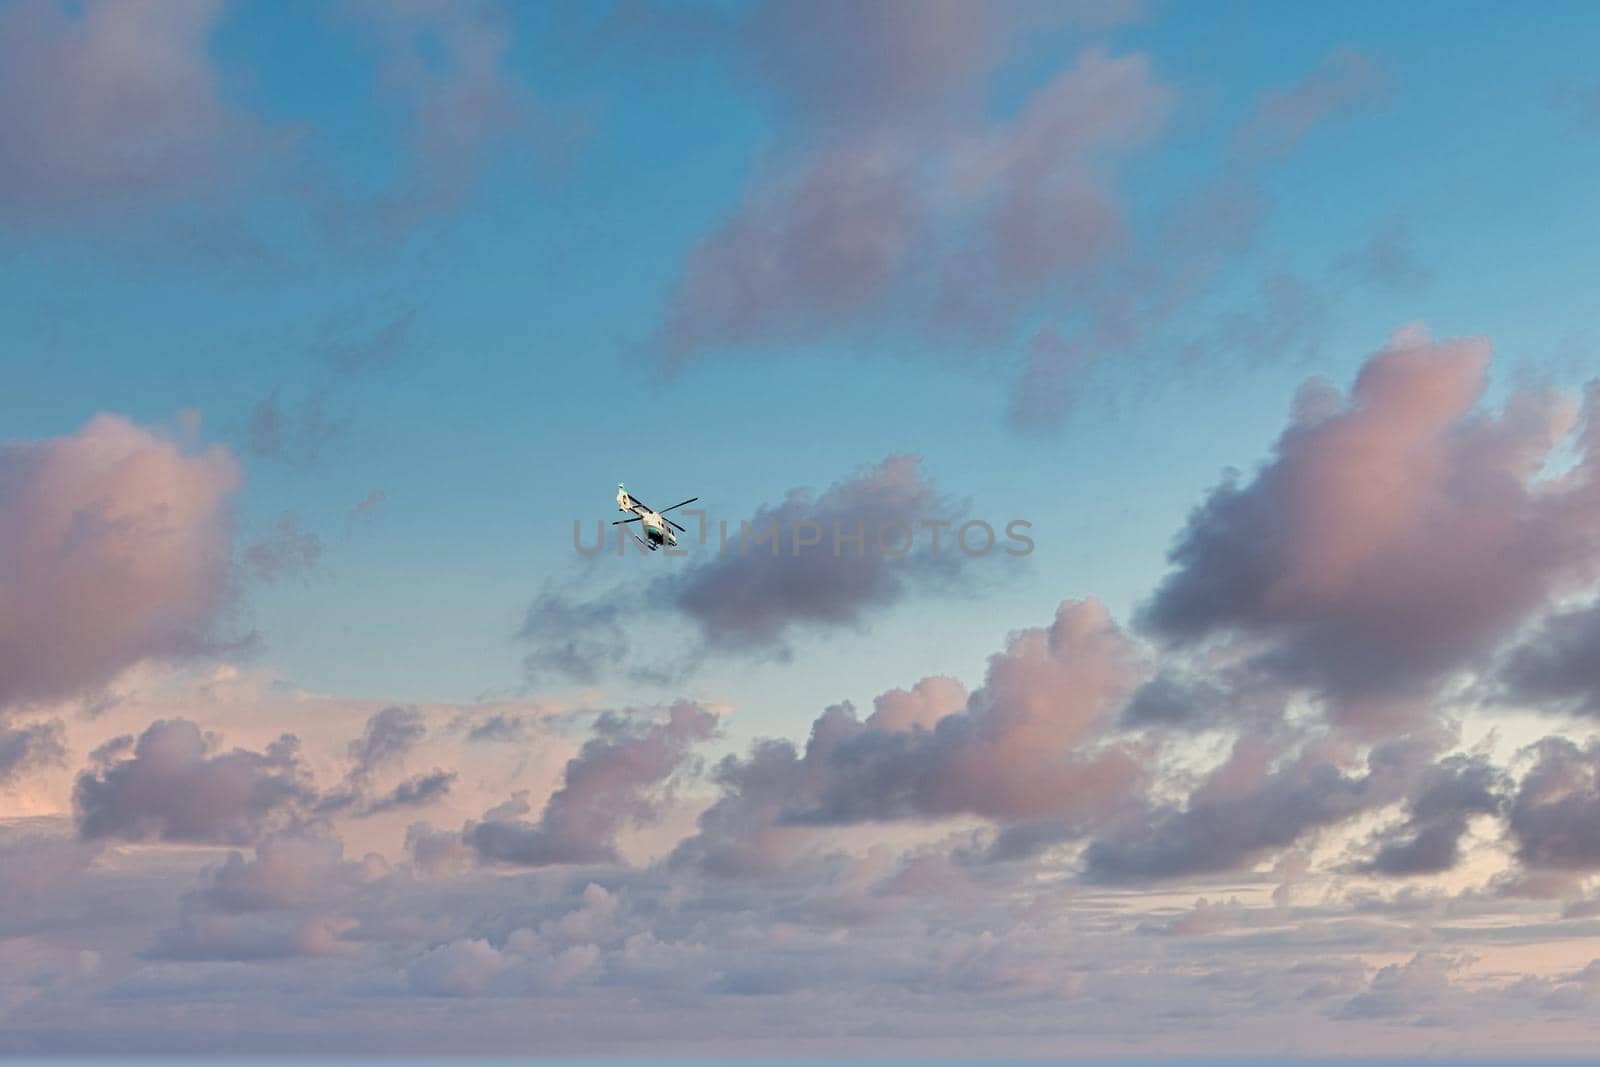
(691, 500)
(619, 522)
(674, 525)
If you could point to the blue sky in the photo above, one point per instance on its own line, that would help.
(523, 387)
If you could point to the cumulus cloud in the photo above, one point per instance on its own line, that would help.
(287, 901)
(175, 786)
(924, 704)
(1393, 536)
(114, 548)
(1025, 747)
(615, 780)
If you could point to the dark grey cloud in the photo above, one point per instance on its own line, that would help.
(754, 599)
(1554, 815)
(389, 735)
(1257, 801)
(812, 563)
(176, 786)
(1437, 815)
(615, 780)
(1557, 668)
(416, 792)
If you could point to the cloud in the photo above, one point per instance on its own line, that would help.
(1405, 990)
(1393, 536)
(389, 735)
(416, 792)
(437, 853)
(449, 67)
(1026, 747)
(34, 867)
(754, 598)
(175, 786)
(1429, 841)
(1557, 668)
(368, 504)
(294, 871)
(256, 936)
(112, 101)
(1258, 800)
(572, 637)
(615, 781)
(287, 551)
(828, 245)
(1554, 816)
(351, 347)
(24, 748)
(866, 219)
(459, 969)
(1387, 262)
(924, 704)
(294, 433)
(115, 547)
(1347, 80)
(899, 61)
(814, 562)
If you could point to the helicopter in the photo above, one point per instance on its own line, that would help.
(658, 529)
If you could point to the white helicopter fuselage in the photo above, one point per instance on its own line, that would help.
(656, 530)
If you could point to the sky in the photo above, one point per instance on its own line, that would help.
(1260, 338)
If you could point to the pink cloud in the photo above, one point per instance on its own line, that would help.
(1394, 535)
(1030, 744)
(114, 547)
(878, 215)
